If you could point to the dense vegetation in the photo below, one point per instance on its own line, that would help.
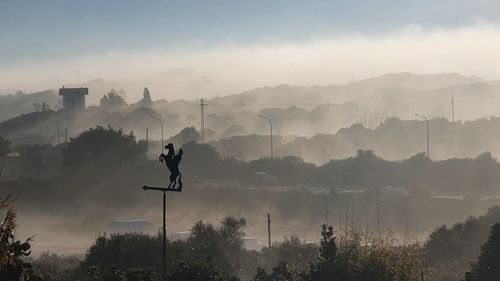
(362, 251)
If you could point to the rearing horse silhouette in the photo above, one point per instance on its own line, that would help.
(172, 162)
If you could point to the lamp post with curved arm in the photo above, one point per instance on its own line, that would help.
(161, 124)
(271, 126)
(427, 125)
(58, 130)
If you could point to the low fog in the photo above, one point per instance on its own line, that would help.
(230, 68)
(389, 136)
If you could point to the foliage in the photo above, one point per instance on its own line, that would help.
(297, 255)
(220, 246)
(32, 157)
(198, 272)
(281, 272)
(5, 147)
(210, 251)
(52, 267)
(186, 135)
(487, 266)
(347, 259)
(96, 273)
(12, 265)
(113, 100)
(451, 249)
(122, 251)
(100, 147)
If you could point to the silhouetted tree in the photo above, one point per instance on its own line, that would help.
(281, 272)
(5, 149)
(327, 266)
(53, 267)
(487, 266)
(12, 266)
(186, 135)
(220, 246)
(32, 158)
(198, 272)
(124, 252)
(113, 100)
(100, 147)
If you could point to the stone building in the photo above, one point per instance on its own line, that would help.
(73, 98)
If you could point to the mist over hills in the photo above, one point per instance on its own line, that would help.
(314, 123)
(394, 93)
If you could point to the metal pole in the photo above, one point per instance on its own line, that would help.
(161, 124)
(427, 127)
(164, 248)
(271, 126)
(202, 122)
(269, 229)
(164, 227)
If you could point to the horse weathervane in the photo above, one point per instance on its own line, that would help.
(172, 161)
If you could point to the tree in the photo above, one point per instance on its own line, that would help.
(124, 252)
(32, 158)
(280, 273)
(113, 100)
(220, 246)
(103, 147)
(52, 267)
(12, 266)
(198, 272)
(326, 267)
(5, 149)
(487, 266)
(186, 135)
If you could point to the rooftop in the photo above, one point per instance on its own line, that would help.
(73, 91)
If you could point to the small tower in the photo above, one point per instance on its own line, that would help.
(73, 98)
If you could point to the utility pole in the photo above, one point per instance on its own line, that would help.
(66, 134)
(58, 130)
(271, 126)
(161, 124)
(202, 121)
(427, 125)
(164, 227)
(269, 229)
(452, 109)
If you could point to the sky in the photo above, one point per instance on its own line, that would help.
(42, 42)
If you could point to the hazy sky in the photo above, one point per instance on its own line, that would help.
(44, 41)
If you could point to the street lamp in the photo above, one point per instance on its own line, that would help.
(427, 125)
(271, 126)
(161, 124)
(58, 130)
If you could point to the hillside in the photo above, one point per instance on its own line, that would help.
(12, 105)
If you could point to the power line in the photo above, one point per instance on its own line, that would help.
(295, 226)
(254, 224)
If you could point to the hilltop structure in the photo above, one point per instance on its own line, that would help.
(73, 98)
(146, 100)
